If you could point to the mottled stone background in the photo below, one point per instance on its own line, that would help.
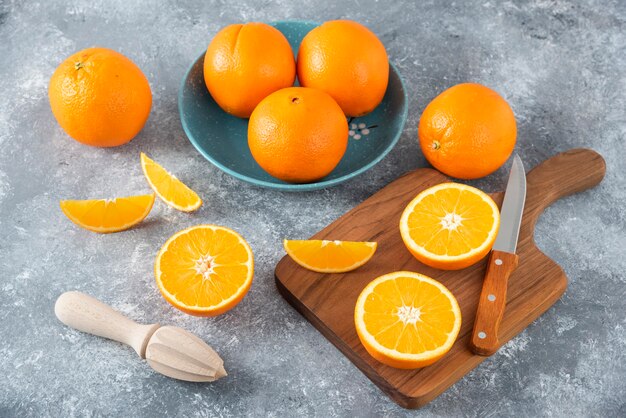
(560, 64)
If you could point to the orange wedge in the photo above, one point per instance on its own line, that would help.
(407, 320)
(171, 190)
(330, 256)
(108, 215)
(450, 226)
(204, 270)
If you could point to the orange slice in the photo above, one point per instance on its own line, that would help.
(330, 256)
(407, 320)
(204, 270)
(108, 215)
(171, 190)
(450, 226)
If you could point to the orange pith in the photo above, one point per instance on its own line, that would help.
(407, 320)
(204, 270)
(171, 190)
(108, 215)
(450, 226)
(326, 256)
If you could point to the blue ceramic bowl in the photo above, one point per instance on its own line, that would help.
(223, 139)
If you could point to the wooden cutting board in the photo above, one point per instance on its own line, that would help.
(327, 300)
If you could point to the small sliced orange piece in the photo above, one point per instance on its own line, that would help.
(172, 191)
(450, 226)
(204, 270)
(407, 320)
(108, 215)
(326, 256)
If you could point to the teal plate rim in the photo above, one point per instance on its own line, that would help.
(293, 187)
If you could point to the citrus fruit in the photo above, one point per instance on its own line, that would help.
(450, 226)
(298, 134)
(468, 131)
(204, 270)
(100, 97)
(108, 215)
(330, 256)
(347, 61)
(407, 320)
(246, 62)
(171, 190)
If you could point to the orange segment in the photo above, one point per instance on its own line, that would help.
(450, 226)
(108, 215)
(204, 270)
(407, 320)
(171, 190)
(330, 256)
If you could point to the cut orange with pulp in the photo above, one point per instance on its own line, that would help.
(204, 270)
(108, 215)
(172, 191)
(450, 226)
(407, 320)
(326, 256)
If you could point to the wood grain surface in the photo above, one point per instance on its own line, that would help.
(327, 300)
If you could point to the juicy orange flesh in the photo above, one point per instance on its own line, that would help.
(451, 222)
(169, 186)
(330, 254)
(108, 213)
(218, 252)
(428, 314)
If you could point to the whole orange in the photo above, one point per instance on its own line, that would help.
(246, 62)
(347, 61)
(468, 131)
(298, 134)
(100, 97)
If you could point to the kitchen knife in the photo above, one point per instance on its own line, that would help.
(502, 262)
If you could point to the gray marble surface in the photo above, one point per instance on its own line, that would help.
(560, 64)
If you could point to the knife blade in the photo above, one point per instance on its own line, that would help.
(502, 262)
(512, 208)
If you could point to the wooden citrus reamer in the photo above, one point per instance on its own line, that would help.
(171, 351)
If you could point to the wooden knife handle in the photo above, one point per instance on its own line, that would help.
(492, 302)
(88, 314)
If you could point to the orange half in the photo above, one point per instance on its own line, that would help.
(108, 215)
(204, 270)
(450, 226)
(326, 256)
(407, 320)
